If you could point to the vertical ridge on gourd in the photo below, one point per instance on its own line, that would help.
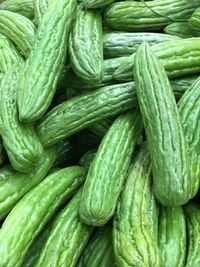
(20, 140)
(189, 113)
(80, 112)
(192, 214)
(195, 20)
(40, 7)
(136, 218)
(172, 230)
(108, 170)
(96, 3)
(99, 250)
(180, 29)
(14, 185)
(178, 60)
(33, 211)
(23, 7)
(120, 44)
(19, 29)
(71, 237)
(166, 141)
(42, 70)
(150, 16)
(86, 46)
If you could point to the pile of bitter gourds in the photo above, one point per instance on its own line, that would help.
(99, 133)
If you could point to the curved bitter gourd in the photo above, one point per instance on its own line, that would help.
(23, 7)
(40, 7)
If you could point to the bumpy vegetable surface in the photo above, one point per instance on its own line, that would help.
(40, 7)
(71, 236)
(82, 111)
(99, 251)
(19, 29)
(35, 91)
(151, 16)
(195, 20)
(33, 211)
(181, 85)
(23, 7)
(96, 3)
(20, 141)
(192, 213)
(136, 219)
(172, 236)
(166, 141)
(86, 46)
(178, 60)
(108, 170)
(180, 29)
(120, 44)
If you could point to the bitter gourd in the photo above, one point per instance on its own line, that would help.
(81, 111)
(23, 7)
(33, 211)
(166, 141)
(40, 7)
(192, 213)
(120, 44)
(48, 55)
(172, 236)
(19, 29)
(96, 3)
(151, 16)
(178, 60)
(108, 170)
(136, 218)
(181, 85)
(180, 29)
(99, 250)
(195, 20)
(14, 185)
(71, 236)
(87, 158)
(86, 46)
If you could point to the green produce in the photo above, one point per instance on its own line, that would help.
(151, 16)
(181, 85)
(14, 185)
(195, 20)
(87, 158)
(19, 29)
(82, 111)
(40, 7)
(71, 237)
(20, 141)
(96, 3)
(180, 29)
(190, 118)
(109, 169)
(120, 44)
(136, 218)
(86, 46)
(172, 236)
(23, 7)
(99, 251)
(33, 211)
(100, 128)
(180, 58)
(192, 213)
(166, 141)
(45, 62)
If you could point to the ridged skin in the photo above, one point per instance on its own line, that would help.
(9, 55)
(189, 110)
(20, 141)
(40, 76)
(40, 7)
(99, 251)
(181, 85)
(192, 214)
(166, 141)
(178, 60)
(86, 46)
(67, 238)
(135, 221)
(19, 29)
(172, 236)
(120, 44)
(80, 112)
(87, 158)
(33, 211)
(109, 169)
(96, 3)
(23, 7)
(100, 128)
(155, 15)
(14, 185)
(195, 20)
(180, 29)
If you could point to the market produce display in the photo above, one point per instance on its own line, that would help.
(99, 133)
